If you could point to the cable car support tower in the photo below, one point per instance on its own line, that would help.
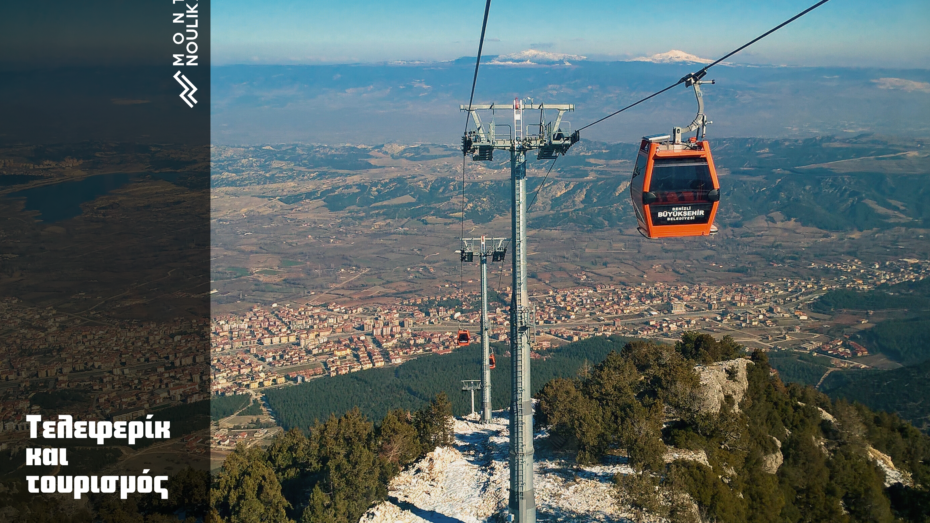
(496, 248)
(549, 140)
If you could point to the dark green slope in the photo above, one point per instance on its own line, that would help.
(409, 386)
(904, 391)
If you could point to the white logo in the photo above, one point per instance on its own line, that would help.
(189, 89)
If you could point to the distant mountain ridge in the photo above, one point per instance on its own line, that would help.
(535, 57)
(419, 102)
(538, 57)
(673, 56)
(827, 183)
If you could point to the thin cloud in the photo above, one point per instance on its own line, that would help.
(902, 84)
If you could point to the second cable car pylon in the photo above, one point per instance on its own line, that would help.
(550, 141)
(496, 248)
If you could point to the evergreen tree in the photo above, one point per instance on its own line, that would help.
(764, 498)
(554, 399)
(805, 480)
(642, 437)
(290, 457)
(190, 494)
(860, 485)
(246, 490)
(397, 439)
(321, 509)
(576, 421)
(716, 500)
(351, 475)
(289, 454)
(110, 509)
(613, 382)
(705, 349)
(434, 423)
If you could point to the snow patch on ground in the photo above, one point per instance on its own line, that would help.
(892, 474)
(469, 483)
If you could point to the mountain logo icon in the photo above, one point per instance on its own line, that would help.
(189, 89)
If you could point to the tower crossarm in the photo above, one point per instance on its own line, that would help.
(552, 139)
(471, 385)
(484, 246)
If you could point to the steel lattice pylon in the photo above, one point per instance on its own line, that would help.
(550, 141)
(497, 249)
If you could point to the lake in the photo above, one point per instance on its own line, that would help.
(17, 179)
(62, 201)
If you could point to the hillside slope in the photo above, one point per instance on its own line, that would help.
(468, 481)
(694, 432)
(904, 391)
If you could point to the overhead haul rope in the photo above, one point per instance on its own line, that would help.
(474, 80)
(471, 98)
(551, 165)
(693, 76)
(703, 71)
(689, 77)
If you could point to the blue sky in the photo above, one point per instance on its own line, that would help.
(840, 33)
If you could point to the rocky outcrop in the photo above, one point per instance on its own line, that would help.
(718, 380)
(675, 454)
(771, 462)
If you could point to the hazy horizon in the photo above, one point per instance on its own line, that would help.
(838, 33)
(381, 103)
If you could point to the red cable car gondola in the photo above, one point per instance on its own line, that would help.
(463, 338)
(674, 189)
(493, 361)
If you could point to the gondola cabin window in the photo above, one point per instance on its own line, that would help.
(637, 184)
(681, 180)
(640, 165)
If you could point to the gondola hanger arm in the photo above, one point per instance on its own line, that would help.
(700, 120)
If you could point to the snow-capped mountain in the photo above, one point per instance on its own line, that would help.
(673, 56)
(367, 101)
(536, 57)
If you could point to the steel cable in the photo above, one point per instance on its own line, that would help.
(703, 71)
